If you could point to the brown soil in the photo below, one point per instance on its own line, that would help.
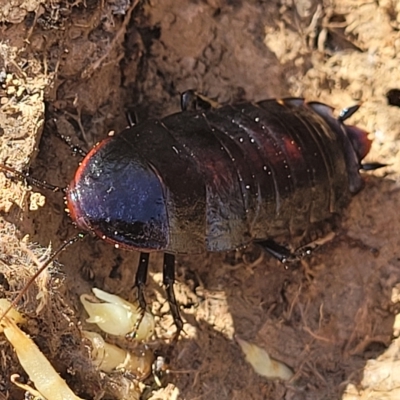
(84, 65)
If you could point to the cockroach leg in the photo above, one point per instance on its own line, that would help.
(192, 101)
(140, 283)
(168, 280)
(141, 278)
(347, 112)
(76, 150)
(281, 253)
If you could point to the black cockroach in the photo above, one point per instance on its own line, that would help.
(215, 178)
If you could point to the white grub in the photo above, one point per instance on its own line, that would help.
(117, 316)
(110, 358)
(262, 363)
(47, 382)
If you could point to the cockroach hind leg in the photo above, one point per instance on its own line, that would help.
(281, 253)
(284, 255)
(194, 101)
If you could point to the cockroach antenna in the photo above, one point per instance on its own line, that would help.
(24, 176)
(56, 253)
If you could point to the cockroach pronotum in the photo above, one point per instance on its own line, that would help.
(215, 178)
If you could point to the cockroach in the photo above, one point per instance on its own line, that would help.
(216, 178)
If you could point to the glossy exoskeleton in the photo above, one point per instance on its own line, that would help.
(218, 178)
